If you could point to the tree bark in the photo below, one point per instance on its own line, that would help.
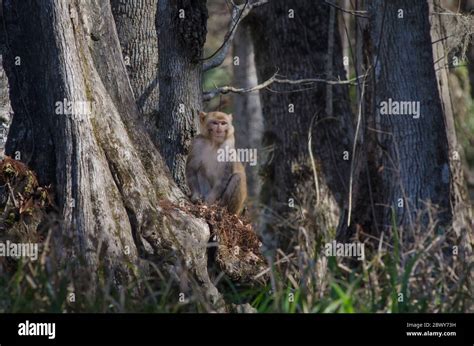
(181, 36)
(137, 32)
(248, 120)
(410, 166)
(5, 107)
(468, 8)
(460, 197)
(110, 182)
(287, 170)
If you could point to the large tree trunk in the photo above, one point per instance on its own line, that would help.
(110, 182)
(410, 165)
(248, 120)
(181, 36)
(136, 28)
(319, 110)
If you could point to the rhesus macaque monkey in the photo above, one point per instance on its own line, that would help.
(209, 179)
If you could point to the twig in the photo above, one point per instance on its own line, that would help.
(286, 258)
(274, 79)
(239, 12)
(10, 190)
(354, 13)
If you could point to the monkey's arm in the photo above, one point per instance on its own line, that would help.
(193, 165)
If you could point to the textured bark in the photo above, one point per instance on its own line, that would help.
(411, 161)
(298, 48)
(110, 181)
(136, 28)
(468, 7)
(180, 43)
(471, 67)
(248, 120)
(459, 193)
(5, 107)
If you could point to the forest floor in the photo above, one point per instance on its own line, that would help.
(423, 274)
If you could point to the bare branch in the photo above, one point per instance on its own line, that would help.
(239, 12)
(274, 79)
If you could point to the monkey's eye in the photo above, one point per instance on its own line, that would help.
(223, 123)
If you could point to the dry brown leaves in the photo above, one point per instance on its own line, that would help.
(238, 248)
(22, 195)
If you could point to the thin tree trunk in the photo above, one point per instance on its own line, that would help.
(181, 36)
(292, 113)
(345, 29)
(110, 182)
(248, 120)
(361, 214)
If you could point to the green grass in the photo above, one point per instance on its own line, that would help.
(346, 293)
(412, 276)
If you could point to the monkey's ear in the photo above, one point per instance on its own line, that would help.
(202, 116)
(230, 117)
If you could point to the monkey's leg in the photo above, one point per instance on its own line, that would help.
(193, 180)
(234, 194)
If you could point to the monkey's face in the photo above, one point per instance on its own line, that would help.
(218, 130)
(217, 126)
